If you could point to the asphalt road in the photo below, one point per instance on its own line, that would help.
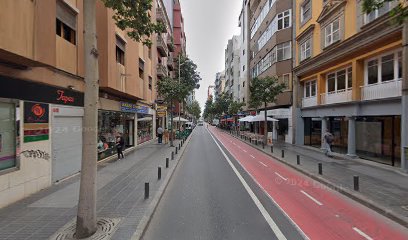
(206, 199)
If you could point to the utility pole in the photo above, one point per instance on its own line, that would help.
(404, 98)
(86, 217)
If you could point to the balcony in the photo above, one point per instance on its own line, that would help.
(309, 102)
(340, 96)
(170, 63)
(161, 71)
(160, 15)
(170, 44)
(161, 46)
(381, 90)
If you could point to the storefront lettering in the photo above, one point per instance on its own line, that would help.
(62, 97)
(36, 154)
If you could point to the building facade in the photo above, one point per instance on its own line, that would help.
(219, 84)
(270, 45)
(244, 56)
(348, 78)
(232, 68)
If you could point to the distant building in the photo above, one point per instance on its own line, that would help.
(232, 68)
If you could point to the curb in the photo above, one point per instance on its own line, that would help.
(348, 193)
(145, 221)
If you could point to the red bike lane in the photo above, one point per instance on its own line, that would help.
(318, 211)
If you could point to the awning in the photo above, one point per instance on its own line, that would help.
(246, 119)
(261, 118)
(179, 119)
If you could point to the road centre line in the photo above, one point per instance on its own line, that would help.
(263, 164)
(312, 198)
(281, 176)
(362, 233)
(261, 208)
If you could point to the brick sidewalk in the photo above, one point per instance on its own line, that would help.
(382, 188)
(120, 195)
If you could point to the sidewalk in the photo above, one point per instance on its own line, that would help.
(382, 188)
(120, 187)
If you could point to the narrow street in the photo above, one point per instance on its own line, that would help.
(206, 200)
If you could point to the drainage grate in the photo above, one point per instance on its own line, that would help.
(405, 207)
(105, 229)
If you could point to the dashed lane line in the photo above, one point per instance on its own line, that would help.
(363, 234)
(252, 156)
(312, 198)
(281, 176)
(263, 164)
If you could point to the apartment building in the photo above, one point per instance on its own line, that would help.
(42, 85)
(270, 45)
(244, 56)
(232, 68)
(219, 84)
(348, 78)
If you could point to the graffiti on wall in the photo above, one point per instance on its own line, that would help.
(36, 154)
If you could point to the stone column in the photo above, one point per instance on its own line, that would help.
(324, 127)
(351, 145)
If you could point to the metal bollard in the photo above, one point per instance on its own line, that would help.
(283, 153)
(159, 173)
(271, 149)
(298, 160)
(167, 162)
(263, 145)
(146, 190)
(176, 150)
(172, 155)
(320, 168)
(356, 183)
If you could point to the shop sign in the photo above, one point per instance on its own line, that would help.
(133, 108)
(36, 122)
(31, 91)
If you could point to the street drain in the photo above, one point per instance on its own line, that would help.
(405, 207)
(105, 229)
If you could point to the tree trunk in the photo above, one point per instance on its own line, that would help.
(404, 98)
(86, 218)
(265, 127)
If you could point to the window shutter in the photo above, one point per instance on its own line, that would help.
(66, 15)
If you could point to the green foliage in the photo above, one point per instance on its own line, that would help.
(235, 107)
(208, 109)
(221, 104)
(400, 12)
(133, 17)
(188, 72)
(264, 90)
(194, 109)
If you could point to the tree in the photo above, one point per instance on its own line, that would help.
(194, 109)
(208, 109)
(265, 90)
(133, 17)
(400, 14)
(235, 107)
(221, 104)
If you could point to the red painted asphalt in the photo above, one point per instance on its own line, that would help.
(320, 213)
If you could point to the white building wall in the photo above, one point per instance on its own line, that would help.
(244, 64)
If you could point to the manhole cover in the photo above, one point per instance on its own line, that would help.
(405, 207)
(105, 229)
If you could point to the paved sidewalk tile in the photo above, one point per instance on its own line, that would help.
(383, 185)
(120, 195)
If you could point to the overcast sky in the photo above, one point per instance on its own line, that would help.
(208, 26)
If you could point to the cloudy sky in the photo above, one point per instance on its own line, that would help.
(208, 26)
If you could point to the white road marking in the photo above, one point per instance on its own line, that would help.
(312, 198)
(234, 143)
(261, 208)
(281, 176)
(362, 233)
(244, 150)
(239, 147)
(263, 164)
(251, 156)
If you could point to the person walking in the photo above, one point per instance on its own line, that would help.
(166, 136)
(160, 134)
(120, 144)
(328, 139)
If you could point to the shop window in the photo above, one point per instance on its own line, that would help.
(9, 135)
(144, 128)
(66, 22)
(387, 67)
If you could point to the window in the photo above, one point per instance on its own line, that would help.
(310, 89)
(284, 20)
(264, 12)
(120, 51)
(306, 11)
(340, 80)
(66, 22)
(284, 51)
(285, 80)
(9, 134)
(369, 17)
(243, 52)
(305, 49)
(150, 82)
(243, 99)
(332, 32)
(387, 67)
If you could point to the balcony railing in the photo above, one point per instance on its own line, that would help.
(161, 46)
(309, 101)
(161, 70)
(337, 97)
(381, 90)
(170, 63)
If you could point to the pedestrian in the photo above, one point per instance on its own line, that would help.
(328, 139)
(120, 144)
(166, 136)
(160, 134)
